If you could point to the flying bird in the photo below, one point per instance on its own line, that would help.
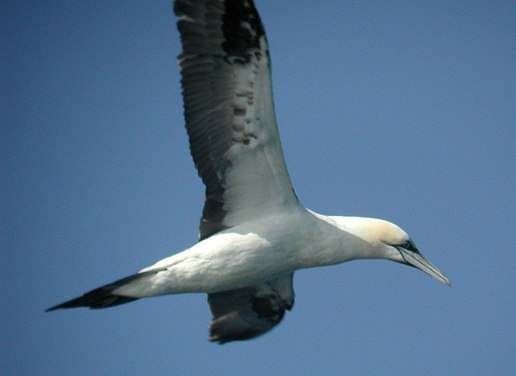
(254, 232)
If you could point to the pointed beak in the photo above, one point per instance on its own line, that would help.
(417, 260)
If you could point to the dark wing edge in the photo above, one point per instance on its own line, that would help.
(249, 312)
(104, 296)
(224, 58)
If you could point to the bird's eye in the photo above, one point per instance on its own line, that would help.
(409, 245)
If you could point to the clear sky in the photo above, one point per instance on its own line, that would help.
(403, 110)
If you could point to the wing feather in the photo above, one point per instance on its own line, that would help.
(229, 113)
(250, 312)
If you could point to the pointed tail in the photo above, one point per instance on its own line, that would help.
(103, 297)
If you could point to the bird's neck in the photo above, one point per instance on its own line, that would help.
(341, 239)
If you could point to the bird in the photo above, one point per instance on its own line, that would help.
(254, 233)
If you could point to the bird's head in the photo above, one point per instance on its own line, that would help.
(389, 241)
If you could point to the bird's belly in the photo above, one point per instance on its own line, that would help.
(224, 262)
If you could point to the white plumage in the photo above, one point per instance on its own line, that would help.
(254, 234)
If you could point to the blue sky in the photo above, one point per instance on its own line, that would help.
(402, 110)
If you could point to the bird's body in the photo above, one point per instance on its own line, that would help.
(252, 252)
(254, 232)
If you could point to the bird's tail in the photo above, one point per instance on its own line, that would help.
(103, 297)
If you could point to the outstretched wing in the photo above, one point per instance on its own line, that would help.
(250, 312)
(229, 112)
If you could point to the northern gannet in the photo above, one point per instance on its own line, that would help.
(254, 233)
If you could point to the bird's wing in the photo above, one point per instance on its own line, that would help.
(229, 112)
(250, 312)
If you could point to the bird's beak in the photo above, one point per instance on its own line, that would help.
(417, 260)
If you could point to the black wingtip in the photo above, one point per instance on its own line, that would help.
(93, 302)
(53, 308)
(103, 296)
(82, 301)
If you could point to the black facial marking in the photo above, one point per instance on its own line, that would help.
(410, 246)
